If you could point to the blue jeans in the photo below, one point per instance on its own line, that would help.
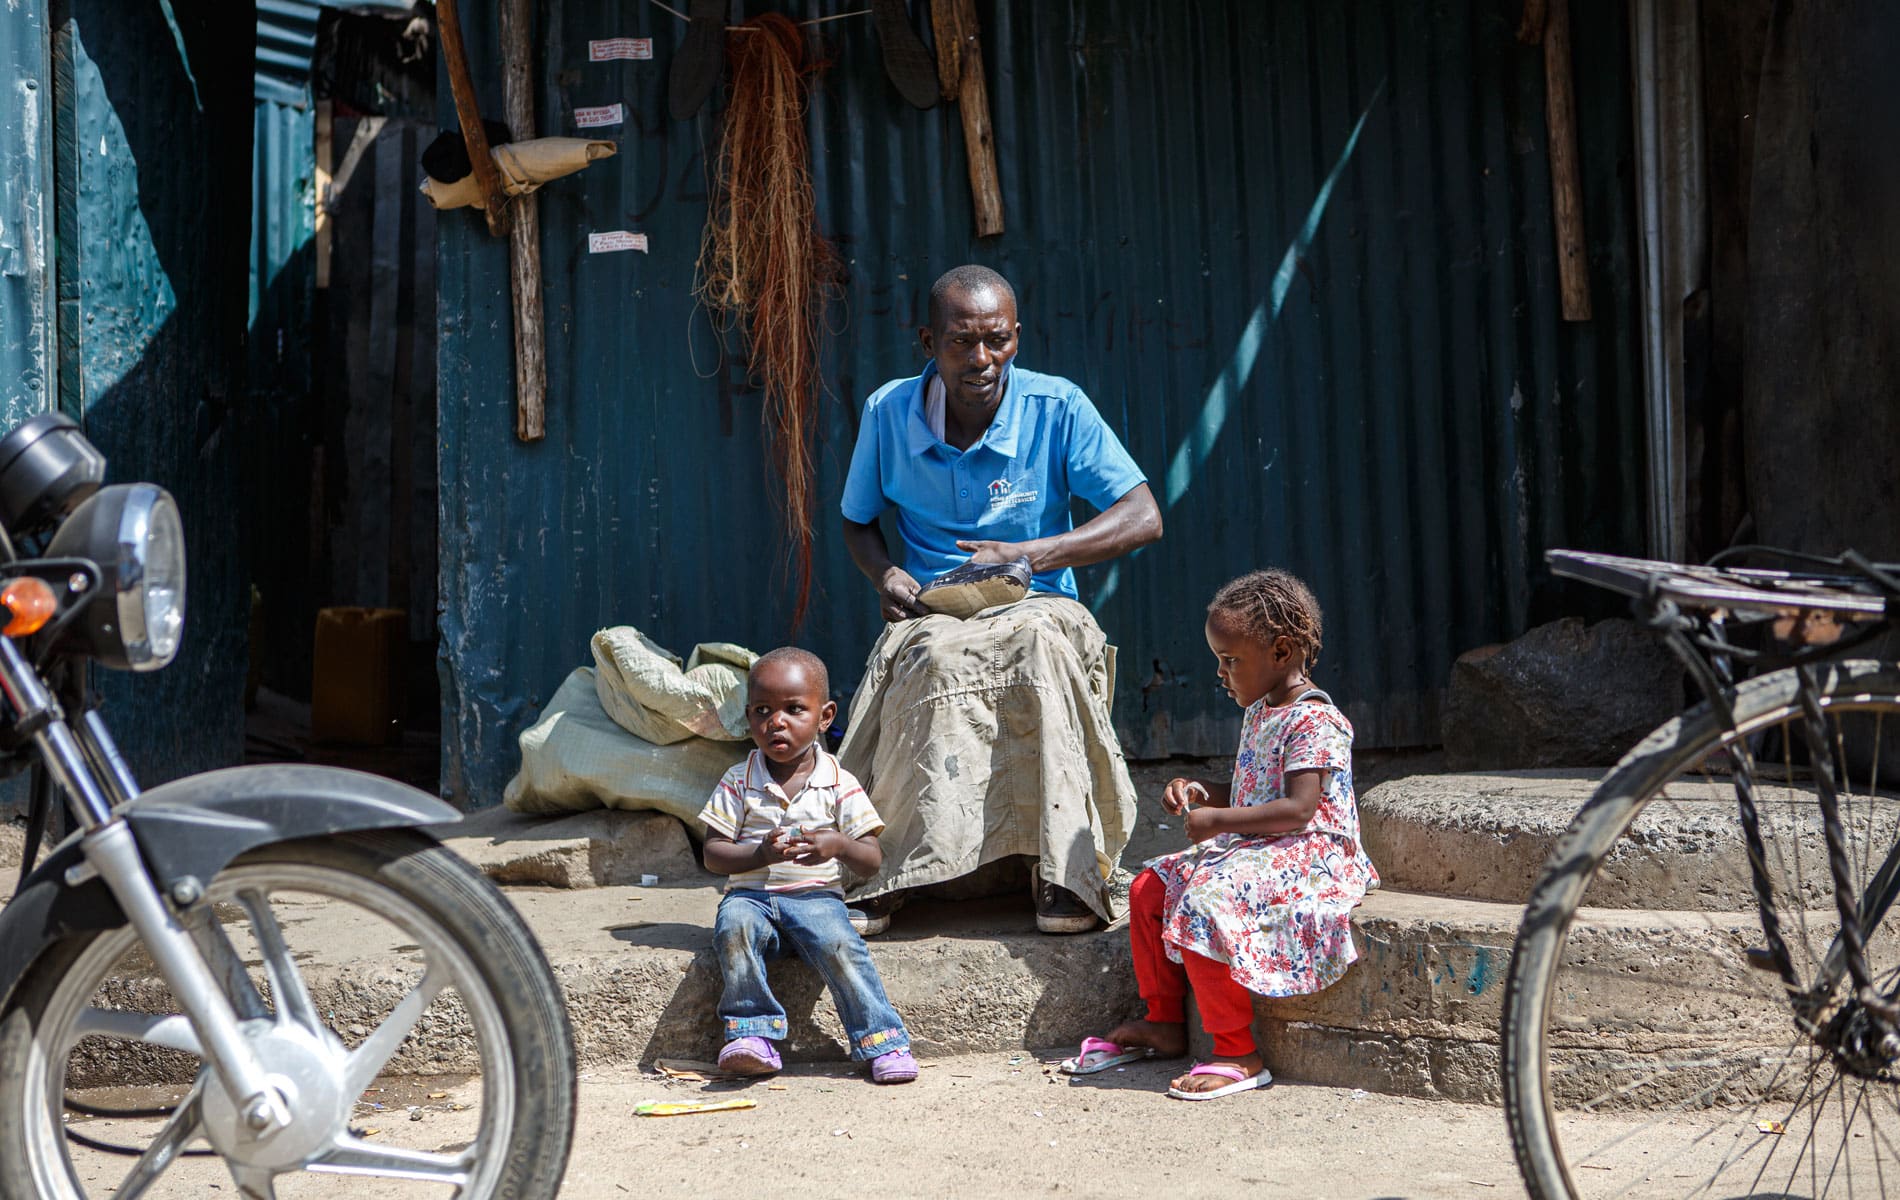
(755, 927)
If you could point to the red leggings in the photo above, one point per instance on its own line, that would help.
(1226, 1007)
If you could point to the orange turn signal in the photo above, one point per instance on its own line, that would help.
(32, 603)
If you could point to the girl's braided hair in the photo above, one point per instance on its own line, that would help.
(1269, 604)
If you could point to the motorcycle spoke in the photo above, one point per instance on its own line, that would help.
(171, 1030)
(226, 963)
(177, 1132)
(253, 1183)
(286, 982)
(354, 1156)
(367, 1060)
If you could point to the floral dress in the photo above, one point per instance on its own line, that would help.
(1277, 910)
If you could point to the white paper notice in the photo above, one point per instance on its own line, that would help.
(589, 118)
(619, 239)
(608, 48)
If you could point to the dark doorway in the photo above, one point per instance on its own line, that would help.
(343, 531)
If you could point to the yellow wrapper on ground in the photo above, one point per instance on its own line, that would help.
(670, 1108)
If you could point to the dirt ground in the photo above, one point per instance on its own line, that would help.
(983, 1125)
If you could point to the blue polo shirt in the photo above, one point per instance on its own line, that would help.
(1045, 444)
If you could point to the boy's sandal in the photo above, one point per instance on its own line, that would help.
(1242, 1082)
(896, 1067)
(749, 1056)
(1099, 1054)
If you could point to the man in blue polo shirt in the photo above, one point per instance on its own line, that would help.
(990, 737)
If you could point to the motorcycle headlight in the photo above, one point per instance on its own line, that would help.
(133, 532)
(46, 468)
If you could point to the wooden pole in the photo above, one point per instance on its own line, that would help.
(1566, 186)
(524, 234)
(962, 60)
(1530, 30)
(326, 161)
(462, 85)
(947, 28)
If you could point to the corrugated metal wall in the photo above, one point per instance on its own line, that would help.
(27, 365)
(1299, 253)
(151, 130)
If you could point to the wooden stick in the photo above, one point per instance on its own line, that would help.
(462, 85)
(944, 23)
(979, 143)
(1566, 187)
(1530, 30)
(326, 160)
(524, 234)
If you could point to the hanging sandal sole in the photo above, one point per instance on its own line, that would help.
(1242, 1082)
(1099, 1054)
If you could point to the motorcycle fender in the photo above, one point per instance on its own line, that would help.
(192, 828)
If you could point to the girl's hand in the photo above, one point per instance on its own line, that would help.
(1202, 823)
(1182, 792)
(820, 847)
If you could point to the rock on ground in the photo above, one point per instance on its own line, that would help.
(1563, 695)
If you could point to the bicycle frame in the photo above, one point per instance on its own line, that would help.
(1709, 660)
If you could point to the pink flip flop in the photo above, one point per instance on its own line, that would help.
(1242, 1082)
(1099, 1054)
(896, 1067)
(749, 1056)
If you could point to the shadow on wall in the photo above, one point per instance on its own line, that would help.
(152, 171)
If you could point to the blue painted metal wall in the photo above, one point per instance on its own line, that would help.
(27, 365)
(1299, 253)
(152, 133)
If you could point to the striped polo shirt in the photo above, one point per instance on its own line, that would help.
(749, 805)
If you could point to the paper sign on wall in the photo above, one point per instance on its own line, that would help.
(619, 239)
(610, 48)
(611, 114)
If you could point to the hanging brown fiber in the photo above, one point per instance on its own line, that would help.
(763, 265)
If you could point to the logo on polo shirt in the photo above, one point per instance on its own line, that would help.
(1003, 495)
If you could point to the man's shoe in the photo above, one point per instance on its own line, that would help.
(872, 917)
(1059, 910)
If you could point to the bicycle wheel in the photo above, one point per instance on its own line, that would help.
(380, 976)
(1648, 1051)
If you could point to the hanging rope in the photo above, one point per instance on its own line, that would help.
(764, 267)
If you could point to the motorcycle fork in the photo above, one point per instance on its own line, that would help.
(113, 856)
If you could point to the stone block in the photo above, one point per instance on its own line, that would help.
(1565, 694)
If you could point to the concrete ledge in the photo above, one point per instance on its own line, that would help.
(1486, 836)
(600, 848)
(1418, 1015)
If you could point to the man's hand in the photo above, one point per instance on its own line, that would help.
(897, 595)
(986, 553)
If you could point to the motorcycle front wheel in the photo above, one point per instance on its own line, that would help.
(395, 994)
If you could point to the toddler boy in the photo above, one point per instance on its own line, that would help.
(781, 826)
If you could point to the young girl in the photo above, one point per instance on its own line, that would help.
(1260, 904)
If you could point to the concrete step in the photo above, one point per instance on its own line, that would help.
(1487, 836)
(1418, 1015)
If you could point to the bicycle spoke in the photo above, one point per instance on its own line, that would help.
(173, 1137)
(171, 1030)
(286, 982)
(367, 1060)
(354, 1156)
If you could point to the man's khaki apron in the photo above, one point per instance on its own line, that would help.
(991, 736)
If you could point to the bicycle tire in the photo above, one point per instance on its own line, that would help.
(1564, 990)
